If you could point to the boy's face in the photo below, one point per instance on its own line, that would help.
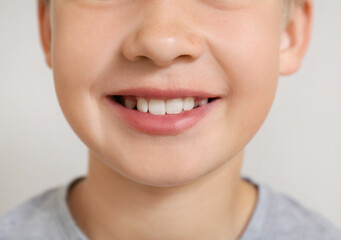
(227, 48)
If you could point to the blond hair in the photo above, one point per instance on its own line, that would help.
(289, 7)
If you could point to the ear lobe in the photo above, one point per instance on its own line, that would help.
(45, 29)
(295, 39)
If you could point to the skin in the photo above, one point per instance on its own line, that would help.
(184, 186)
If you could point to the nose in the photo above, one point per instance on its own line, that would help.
(164, 35)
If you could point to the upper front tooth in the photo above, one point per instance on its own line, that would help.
(142, 104)
(157, 107)
(160, 107)
(174, 106)
(188, 103)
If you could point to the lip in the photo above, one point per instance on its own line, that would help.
(157, 93)
(168, 124)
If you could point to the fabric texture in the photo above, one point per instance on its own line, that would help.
(276, 217)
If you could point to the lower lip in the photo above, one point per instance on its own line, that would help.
(168, 124)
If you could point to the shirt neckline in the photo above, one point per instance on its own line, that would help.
(253, 230)
(68, 226)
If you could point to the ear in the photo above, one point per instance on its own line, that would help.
(45, 29)
(295, 38)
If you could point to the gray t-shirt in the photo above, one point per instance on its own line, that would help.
(276, 217)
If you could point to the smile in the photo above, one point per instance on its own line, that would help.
(161, 112)
(161, 106)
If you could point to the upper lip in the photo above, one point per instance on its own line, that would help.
(158, 93)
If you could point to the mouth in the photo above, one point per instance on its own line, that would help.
(161, 112)
(160, 106)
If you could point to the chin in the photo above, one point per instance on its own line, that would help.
(163, 179)
(154, 170)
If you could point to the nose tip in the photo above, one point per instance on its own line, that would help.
(163, 44)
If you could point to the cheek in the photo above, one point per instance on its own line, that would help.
(247, 50)
(85, 43)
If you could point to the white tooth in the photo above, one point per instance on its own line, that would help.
(174, 106)
(130, 102)
(203, 101)
(157, 107)
(188, 103)
(142, 104)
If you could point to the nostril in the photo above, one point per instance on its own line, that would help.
(141, 58)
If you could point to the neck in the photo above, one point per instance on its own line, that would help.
(107, 205)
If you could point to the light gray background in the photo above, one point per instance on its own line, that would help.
(297, 151)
